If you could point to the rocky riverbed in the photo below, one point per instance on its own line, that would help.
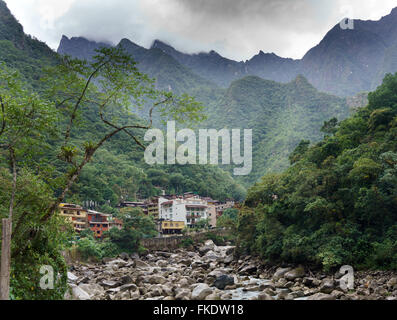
(212, 273)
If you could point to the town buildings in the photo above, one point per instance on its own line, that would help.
(75, 214)
(83, 219)
(172, 213)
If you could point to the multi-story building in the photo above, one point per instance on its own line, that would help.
(189, 210)
(75, 214)
(171, 227)
(98, 222)
(116, 223)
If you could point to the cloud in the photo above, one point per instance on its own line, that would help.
(237, 29)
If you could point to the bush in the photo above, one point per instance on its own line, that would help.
(187, 242)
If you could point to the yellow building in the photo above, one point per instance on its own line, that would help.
(75, 214)
(172, 227)
(153, 210)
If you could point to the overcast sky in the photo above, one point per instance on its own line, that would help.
(237, 29)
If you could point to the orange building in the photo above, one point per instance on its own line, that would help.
(98, 222)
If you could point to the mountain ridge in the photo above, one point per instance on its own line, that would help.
(343, 63)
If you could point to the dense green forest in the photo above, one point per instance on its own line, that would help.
(281, 115)
(337, 202)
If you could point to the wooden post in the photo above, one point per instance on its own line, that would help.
(5, 259)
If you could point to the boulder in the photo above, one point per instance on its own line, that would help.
(155, 279)
(294, 274)
(201, 291)
(141, 264)
(209, 245)
(327, 286)
(71, 277)
(248, 269)
(79, 294)
(182, 294)
(223, 281)
(321, 296)
(109, 284)
(280, 272)
(392, 283)
(92, 289)
(265, 297)
(124, 256)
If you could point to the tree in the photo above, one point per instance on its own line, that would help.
(110, 82)
(136, 226)
(24, 118)
(102, 88)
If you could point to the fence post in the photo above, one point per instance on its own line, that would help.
(5, 259)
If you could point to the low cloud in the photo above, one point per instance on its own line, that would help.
(237, 29)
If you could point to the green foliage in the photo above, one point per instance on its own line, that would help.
(280, 115)
(187, 242)
(228, 219)
(337, 203)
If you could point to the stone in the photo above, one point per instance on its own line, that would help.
(392, 283)
(79, 294)
(125, 279)
(209, 245)
(294, 274)
(201, 291)
(124, 256)
(327, 286)
(155, 279)
(162, 263)
(129, 287)
(71, 277)
(280, 272)
(141, 264)
(182, 294)
(223, 281)
(265, 297)
(321, 296)
(228, 260)
(248, 270)
(109, 284)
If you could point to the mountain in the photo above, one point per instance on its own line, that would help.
(21, 51)
(337, 203)
(344, 63)
(118, 166)
(281, 116)
(169, 73)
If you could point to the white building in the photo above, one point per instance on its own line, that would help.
(189, 210)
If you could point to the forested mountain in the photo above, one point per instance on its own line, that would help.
(281, 115)
(344, 63)
(118, 170)
(337, 203)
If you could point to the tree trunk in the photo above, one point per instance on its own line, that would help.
(5, 260)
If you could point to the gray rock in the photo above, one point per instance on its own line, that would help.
(280, 272)
(141, 264)
(109, 284)
(321, 296)
(265, 297)
(79, 294)
(71, 277)
(223, 281)
(201, 291)
(294, 274)
(327, 286)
